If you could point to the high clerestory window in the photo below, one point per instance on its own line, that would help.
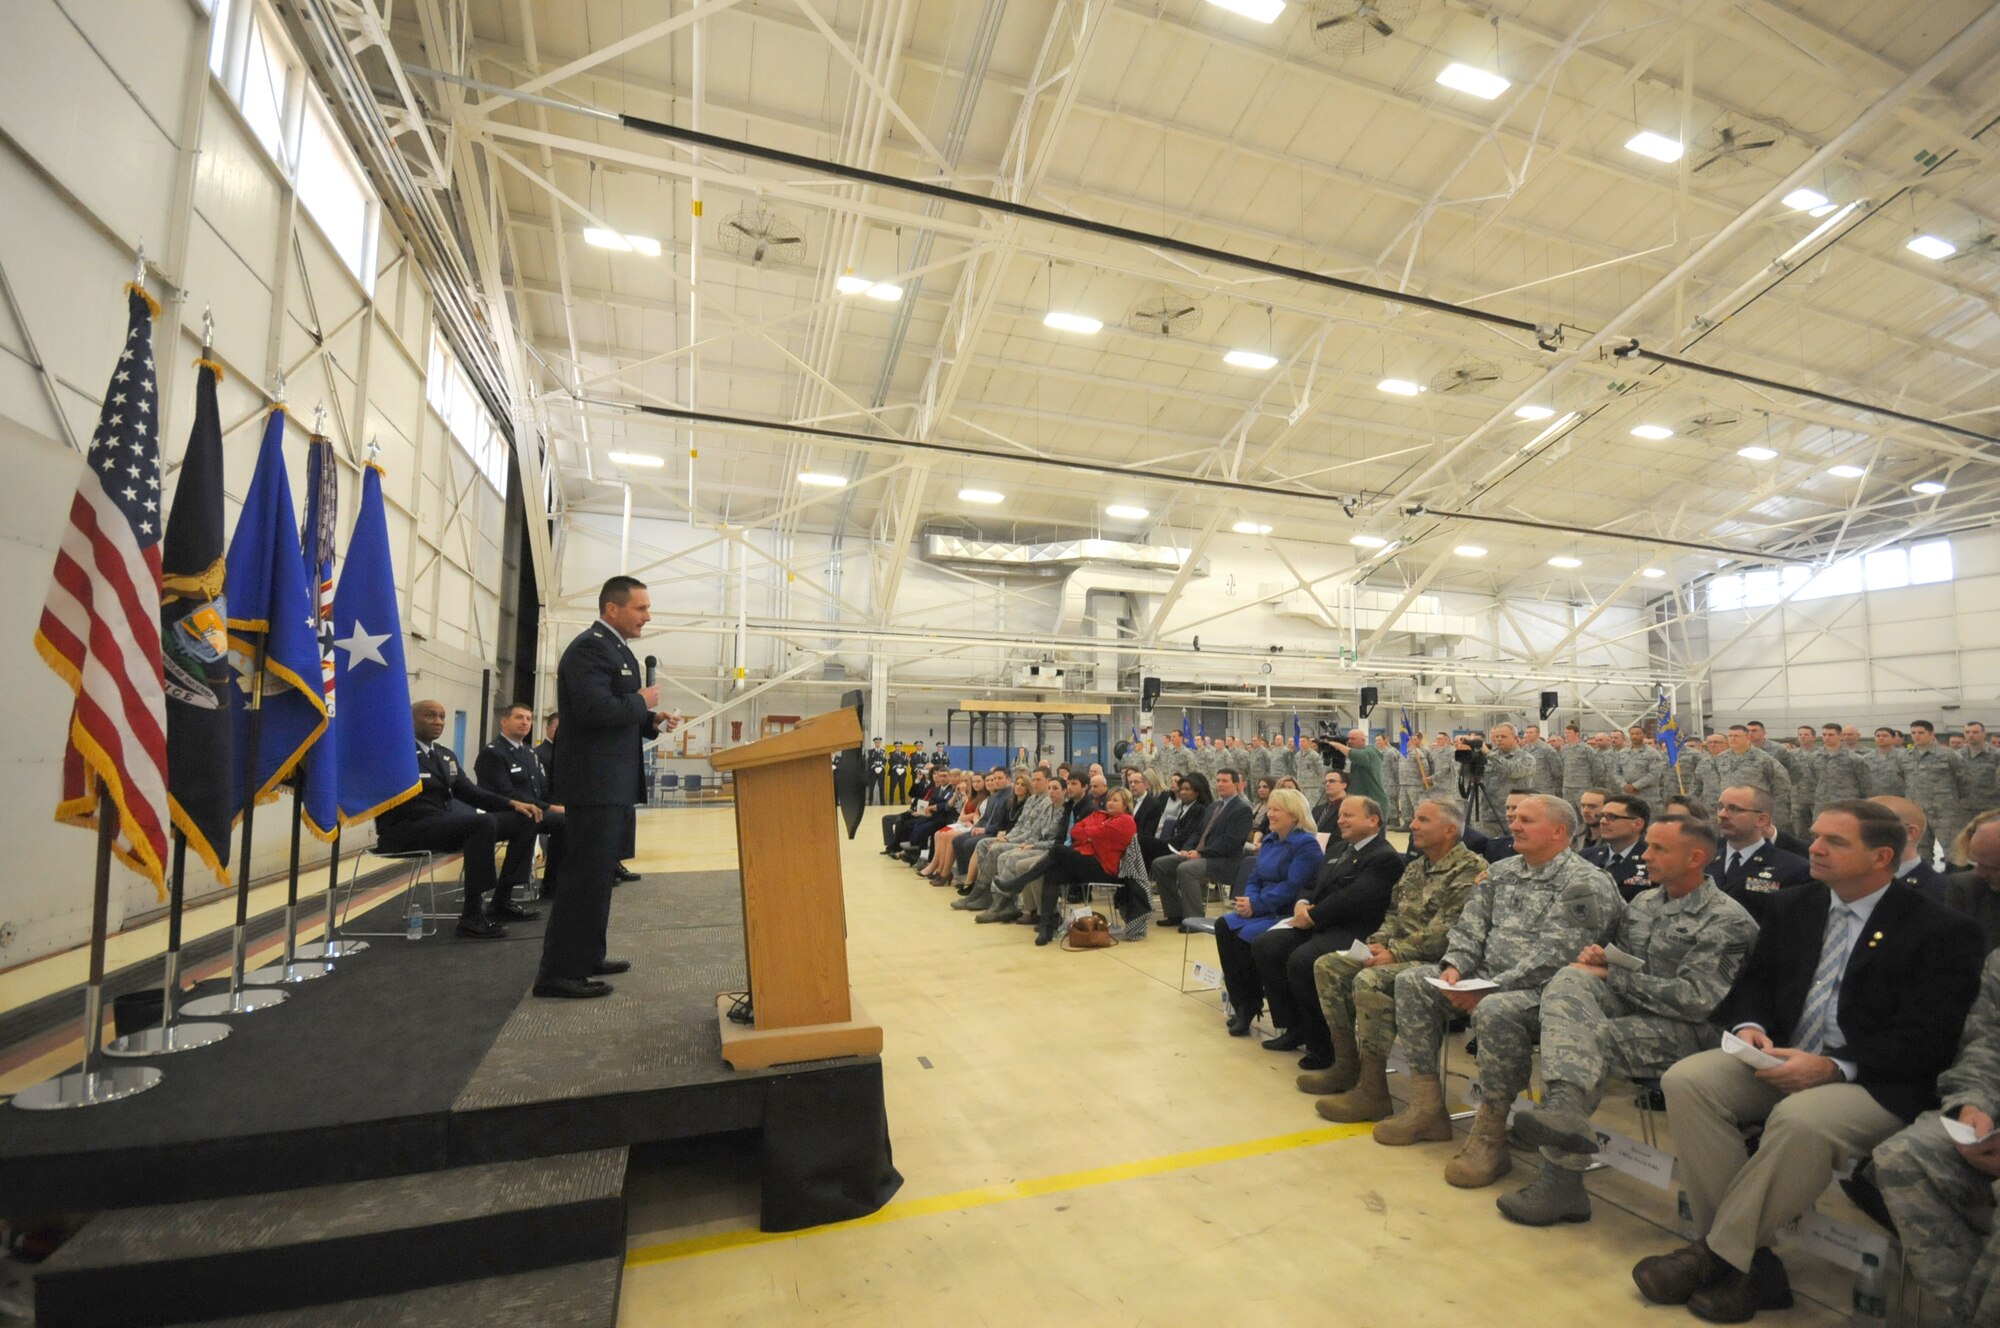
(1883, 569)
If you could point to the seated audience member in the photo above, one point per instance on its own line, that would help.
(451, 814)
(1281, 874)
(510, 767)
(1683, 804)
(1859, 986)
(1349, 895)
(1184, 875)
(950, 792)
(1621, 842)
(1004, 797)
(1750, 868)
(1149, 804)
(1357, 998)
(1499, 847)
(1096, 847)
(1913, 870)
(1941, 1192)
(1591, 806)
(974, 793)
(1260, 814)
(1975, 891)
(1025, 869)
(896, 828)
(1601, 1018)
(1000, 855)
(1538, 910)
(1326, 813)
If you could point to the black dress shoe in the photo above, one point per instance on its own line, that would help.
(1239, 1023)
(575, 989)
(624, 874)
(1739, 1297)
(1289, 1040)
(513, 912)
(479, 929)
(606, 967)
(1316, 1060)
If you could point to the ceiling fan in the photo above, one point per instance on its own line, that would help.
(1727, 148)
(763, 238)
(1356, 27)
(1165, 313)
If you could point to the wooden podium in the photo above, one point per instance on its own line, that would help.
(794, 915)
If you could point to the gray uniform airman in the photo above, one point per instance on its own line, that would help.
(1642, 767)
(1934, 779)
(1885, 765)
(1579, 769)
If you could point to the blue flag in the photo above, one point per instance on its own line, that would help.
(1670, 730)
(1187, 729)
(1295, 731)
(1403, 737)
(322, 769)
(271, 605)
(378, 762)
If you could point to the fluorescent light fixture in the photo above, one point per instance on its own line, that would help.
(1657, 146)
(1928, 488)
(821, 480)
(1250, 359)
(1560, 561)
(1754, 453)
(1930, 246)
(1846, 472)
(646, 459)
(1469, 551)
(1263, 11)
(624, 244)
(1805, 200)
(885, 291)
(849, 284)
(1479, 82)
(1535, 412)
(979, 496)
(1063, 322)
(1126, 512)
(1250, 528)
(1653, 573)
(1368, 541)
(1652, 432)
(1398, 387)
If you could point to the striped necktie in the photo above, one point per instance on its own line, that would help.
(1822, 998)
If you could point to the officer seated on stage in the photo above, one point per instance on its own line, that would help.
(510, 767)
(436, 820)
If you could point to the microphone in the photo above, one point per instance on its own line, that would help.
(652, 668)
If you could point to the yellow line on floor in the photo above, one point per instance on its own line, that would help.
(981, 1196)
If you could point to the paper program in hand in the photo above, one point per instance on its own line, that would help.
(1961, 1133)
(1464, 984)
(1749, 1055)
(1618, 958)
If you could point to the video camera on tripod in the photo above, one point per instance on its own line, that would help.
(1469, 751)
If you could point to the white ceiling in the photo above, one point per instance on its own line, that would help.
(1184, 120)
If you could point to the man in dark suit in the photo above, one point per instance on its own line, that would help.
(508, 766)
(608, 713)
(1751, 867)
(1184, 876)
(1350, 895)
(1621, 842)
(452, 814)
(1326, 812)
(1147, 808)
(1913, 871)
(1858, 987)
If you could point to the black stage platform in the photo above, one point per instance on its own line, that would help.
(416, 1057)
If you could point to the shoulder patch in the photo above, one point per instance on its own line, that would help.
(1479, 879)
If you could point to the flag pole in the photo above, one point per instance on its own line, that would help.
(95, 1083)
(329, 946)
(236, 1000)
(290, 969)
(170, 1036)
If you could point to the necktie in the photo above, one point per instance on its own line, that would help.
(1729, 868)
(1817, 1017)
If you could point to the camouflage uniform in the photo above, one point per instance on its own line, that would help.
(1579, 772)
(1755, 769)
(1838, 777)
(1506, 772)
(1644, 768)
(1284, 762)
(1309, 768)
(1032, 835)
(1694, 774)
(1804, 769)
(1548, 767)
(1943, 1206)
(1981, 791)
(1604, 768)
(1885, 769)
(1419, 782)
(1934, 778)
(1392, 784)
(1627, 1024)
(1422, 909)
(1255, 762)
(1526, 923)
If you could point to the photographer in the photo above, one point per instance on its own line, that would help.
(1490, 773)
(1363, 764)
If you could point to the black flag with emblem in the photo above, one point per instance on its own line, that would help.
(194, 640)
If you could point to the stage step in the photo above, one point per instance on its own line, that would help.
(577, 1295)
(443, 1234)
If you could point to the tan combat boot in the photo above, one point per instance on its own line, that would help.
(1367, 1097)
(1424, 1120)
(1346, 1071)
(1485, 1158)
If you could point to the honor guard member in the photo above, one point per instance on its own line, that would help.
(899, 776)
(1940, 1191)
(1579, 766)
(1749, 866)
(510, 767)
(1642, 767)
(1839, 775)
(1934, 779)
(1628, 1009)
(940, 758)
(1536, 912)
(1885, 762)
(609, 712)
(442, 818)
(878, 765)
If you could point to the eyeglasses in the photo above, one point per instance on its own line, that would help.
(1618, 816)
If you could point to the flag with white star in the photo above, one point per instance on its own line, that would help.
(378, 762)
(100, 625)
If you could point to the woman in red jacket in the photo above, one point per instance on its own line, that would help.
(1096, 847)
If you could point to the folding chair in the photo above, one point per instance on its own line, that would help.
(669, 784)
(692, 787)
(421, 865)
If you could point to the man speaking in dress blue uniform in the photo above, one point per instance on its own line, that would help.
(608, 713)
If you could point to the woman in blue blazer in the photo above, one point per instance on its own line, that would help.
(1287, 863)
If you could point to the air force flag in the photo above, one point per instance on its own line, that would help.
(378, 762)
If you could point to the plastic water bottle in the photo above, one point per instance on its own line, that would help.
(413, 921)
(1686, 1211)
(1871, 1294)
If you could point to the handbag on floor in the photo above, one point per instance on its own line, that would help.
(1089, 931)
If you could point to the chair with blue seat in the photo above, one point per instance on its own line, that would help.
(669, 785)
(693, 787)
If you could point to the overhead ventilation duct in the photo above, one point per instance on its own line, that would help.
(943, 548)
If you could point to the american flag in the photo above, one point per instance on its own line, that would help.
(100, 627)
